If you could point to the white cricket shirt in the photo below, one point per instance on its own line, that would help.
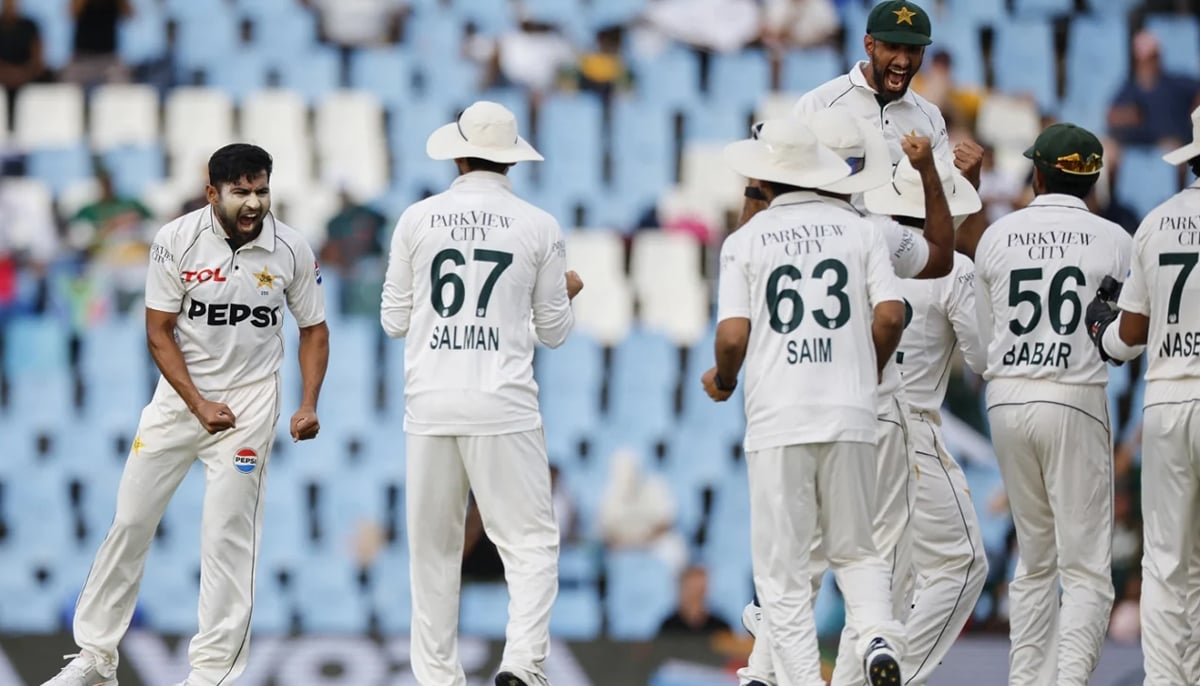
(470, 269)
(1036, 270)
(230, 303)
(1164, 285)
(896, 119)
(808, 274)
(940, 315)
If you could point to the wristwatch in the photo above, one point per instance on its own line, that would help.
(720, 384)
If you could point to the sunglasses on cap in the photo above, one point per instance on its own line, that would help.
(856, 163)
(1077, 164)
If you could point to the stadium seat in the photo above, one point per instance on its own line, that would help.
(717, 122)
(123, 114)
(31, 215)
(737, 80)
(391, 592)
(1009, 124)
(386, 72)
(775, 105)
(277, 119)
(806, 69)
(203, 38)
(135, 170)
(1023, 55)
(604, 310)
(483, 610)
(1043, 9)
(142, 38)
(59, 168)
(643, 153)
(598, 253)
(704, 170)
(197, 122)
(1144, 180)
(329, 597)
(283, 30)
(1094, 69)
(308, 207)
(1180, 36)
(642, 384)
(48, 115)
(662, 257)
(53, 18)
(31, 594)
(961, 39)
(670, 80)
(570, 130)
(351, 144)
(313, 74)
(350, 378)
(577, 614)
(170, 591)
(238, 74)
(641, 593)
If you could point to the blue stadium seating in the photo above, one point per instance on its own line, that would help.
(58, 168)
(1026, 49)
(483, 610)
(143, 37)
(804, 70)
(670, 80)
(577, 614)
(135, 168)
(240, 74)
(570, 134)
(1144, 180)
(1043, 8)
(1181, 33)
(641, 593)
(384, 71)
(203, 40)
(738, 80)
(643, 153)
(313, 73)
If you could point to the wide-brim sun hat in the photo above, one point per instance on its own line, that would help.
(905, 195)
(486, 130)
(1187, 152)
(860, 144)
(786, 151)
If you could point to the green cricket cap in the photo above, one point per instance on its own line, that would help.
(1069, 149)
(897, 21)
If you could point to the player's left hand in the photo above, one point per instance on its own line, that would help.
(919, 150)
(1101, 313)
(710, 386)
(305, 424)
(968, 159)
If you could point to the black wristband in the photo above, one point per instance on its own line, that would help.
(754, 193)
(717, 381)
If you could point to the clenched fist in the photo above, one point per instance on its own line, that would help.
(574, 285)
(919, 151)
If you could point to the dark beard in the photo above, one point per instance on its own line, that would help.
(236, 237)
(882, 94)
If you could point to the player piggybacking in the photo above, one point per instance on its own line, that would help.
(1035, 271)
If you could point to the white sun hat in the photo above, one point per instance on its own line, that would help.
(486, 130)
(905, 195)
(786, 151)
(860, 144)
(1187, 152)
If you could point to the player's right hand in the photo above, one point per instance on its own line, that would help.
(574, 285)
(214, 417)
(918, 149)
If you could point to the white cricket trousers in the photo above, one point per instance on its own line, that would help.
(1171, 511)
(796, 492)
(1054, 448)
(169, 440)
(509, 475)
(949, 559)
(892, 526)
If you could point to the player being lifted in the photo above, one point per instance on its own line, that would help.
(475, 278)
(1159, 314)
(1048, 409)
(218, 280)
(808, 301)
(949, 561)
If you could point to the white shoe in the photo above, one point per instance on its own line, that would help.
(880, 664)
(81, 671)
(751, 616)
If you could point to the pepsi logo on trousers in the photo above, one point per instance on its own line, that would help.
(245, 460)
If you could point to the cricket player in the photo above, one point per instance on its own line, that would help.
(809, 301)
(1158, 313)
(475, 278)
(949, 560)
(864, 149)
(1035, 270)
(218, 281)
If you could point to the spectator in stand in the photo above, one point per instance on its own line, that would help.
(95, 60)
(693, 617)
(114, 235)
(637, 510)
(354, 248)
(361, 23)
(603, 69)
(20, 52)
(480, 50)
(938, 85)
(720, 25)
(1154, 106)
(535, 57)
(798, 23)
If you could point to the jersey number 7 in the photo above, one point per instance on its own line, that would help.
(458, 290)
(1187, 260)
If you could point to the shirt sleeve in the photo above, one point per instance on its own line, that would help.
(908, 251)
(1135, 293)
(305, 298)
(733, 288)
(553, 317)
(963, 314)
(940, 139)
(395, 308)
(983, 298)
(882, 283)
(164, 282)
(807, 104)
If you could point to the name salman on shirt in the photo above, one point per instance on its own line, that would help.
(802, 240)
(466, 337)
(1188, 228)
(1048, 245)
(472, 225)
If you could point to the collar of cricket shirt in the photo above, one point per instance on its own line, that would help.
(484, 177)
(1059, 200)
(796, 198)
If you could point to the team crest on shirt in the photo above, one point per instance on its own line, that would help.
(265, 280)
(245, 460)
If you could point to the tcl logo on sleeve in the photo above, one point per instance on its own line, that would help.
(203, 275)
(232, 314)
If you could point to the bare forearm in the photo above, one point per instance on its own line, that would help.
(967, 237)
(169, 359)
(886, 329)
(939, 225)
(314, 359)
(729, 361)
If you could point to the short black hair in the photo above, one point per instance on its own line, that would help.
(778, 189)
(1078, 185)
(480, 164)
(238, 161)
